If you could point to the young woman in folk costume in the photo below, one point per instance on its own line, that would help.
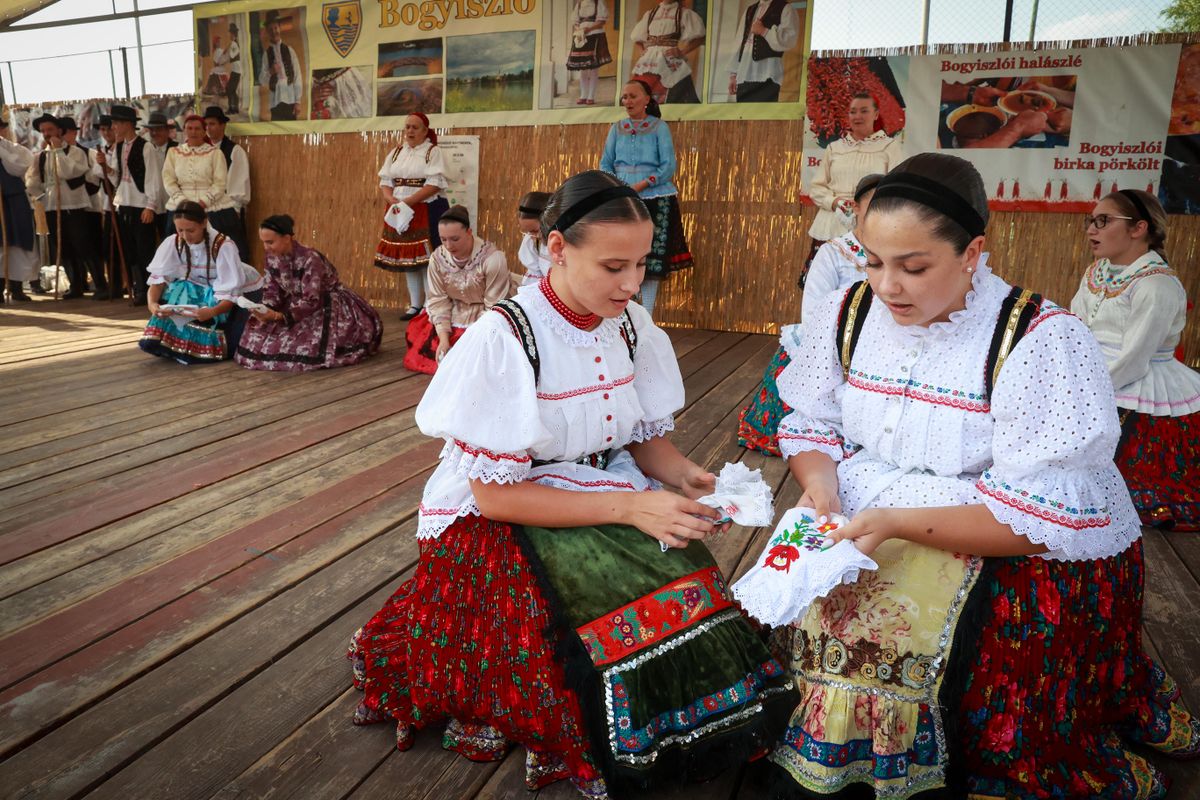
(589, 46)
(467, 276)
(664, 37)
(412, 181)
(839, 264)
(532, 253)
(1136, 307)
(586, 619)
(197, 266)
(967, 427)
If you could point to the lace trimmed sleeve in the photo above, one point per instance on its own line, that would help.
(658, 382)
(812, 385)
(483, 402)
(1053, 479)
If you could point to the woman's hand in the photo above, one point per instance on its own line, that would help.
(270, 315)
(671, 519)
(155, 311)
(868, 529)
(822, 497)
(204, 314)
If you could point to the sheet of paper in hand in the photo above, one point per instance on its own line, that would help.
(796, 567)
(743, 496)
(250, 305)
(181, 315)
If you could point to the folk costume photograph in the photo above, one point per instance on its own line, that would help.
(548, 517)
(760, 49)
(996, 651)
(667, 48)
(281, 63)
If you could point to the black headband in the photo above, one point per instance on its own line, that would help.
(870, 187)
(933, 195)
(278, 226)
(589, 204)
(536, 212)
(1139, 207)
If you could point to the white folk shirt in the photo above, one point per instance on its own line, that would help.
(910, 426)
(127, 195)
(846, 162)
(838, 263)
(781, 38)
(534, 256)
(237, 180)
(66, 163)
(284, 92)
(1137, 313)
(654, 60)
(227, 275)
(422, 162)
(590, 398)
(198, 174)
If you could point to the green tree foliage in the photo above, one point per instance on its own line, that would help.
(1182, 16)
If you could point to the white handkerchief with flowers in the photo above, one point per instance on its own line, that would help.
(742, 495)
(399, 217)
(796, 568)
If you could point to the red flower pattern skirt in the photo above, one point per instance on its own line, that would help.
(1159, 457)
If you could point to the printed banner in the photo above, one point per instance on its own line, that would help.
(86, 114)
(461, 154)
(350, 65)
(1049, 130)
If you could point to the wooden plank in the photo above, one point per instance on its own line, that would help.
(719, 366)
(73, 758)
(1172, 597)
(44, 642)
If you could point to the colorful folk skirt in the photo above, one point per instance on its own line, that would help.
(401, 252)
(1159, 457)
(611, 662)
(592, 55)
(669, 249)
(196, 342)
(343, 330)
(758, 423)
(422, 340)
(1005, 678)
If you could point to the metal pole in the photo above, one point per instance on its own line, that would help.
(1008, 15)
(125, 62)
(2, 102)
(112, 74)
(137, 26)
(925, 22)
(1033, 21)
(12, 84)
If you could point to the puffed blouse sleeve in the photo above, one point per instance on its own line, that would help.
(1053, 479)
(385, 172)
(435, 168)
(166, 266)
(813, 385)
(230, 276)
(483, 402)
(657, 379)
(692, 24)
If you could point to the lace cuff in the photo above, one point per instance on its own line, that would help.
(476, 463)
(1077, 515)
(645, 430)
(801, 437)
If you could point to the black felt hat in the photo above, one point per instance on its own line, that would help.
(215, 112)
(119, 113)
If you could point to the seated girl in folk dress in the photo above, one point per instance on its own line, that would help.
(996, 652)
(569, 592)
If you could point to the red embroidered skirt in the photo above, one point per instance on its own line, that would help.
(422, 340)
(401, 252)
(1159, 457)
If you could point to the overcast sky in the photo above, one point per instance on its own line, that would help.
(68, 67)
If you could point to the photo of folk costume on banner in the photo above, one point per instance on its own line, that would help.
(280, 50)
(759, 55)
(605, 644)
(342, 93)
(1027, 112)
(666, 47)
(412, 182)
(1136, 306)
(222, 53)
(583, 70)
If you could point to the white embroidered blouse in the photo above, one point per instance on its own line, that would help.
(534, 258)
(590, 398)
(910, 424)
(660, 22)
(198, 174)
(1137, 313)
(226, 274)
(423, 162)
(838, 263)
(846, 162)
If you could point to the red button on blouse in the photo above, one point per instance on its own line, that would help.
(608, 418)
(606, 395)
(601, 377)
(597, 359)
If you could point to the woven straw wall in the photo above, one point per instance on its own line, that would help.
(739, 184)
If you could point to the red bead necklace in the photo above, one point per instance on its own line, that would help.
(582, 321)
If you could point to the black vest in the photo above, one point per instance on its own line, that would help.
(760, 50)
(72, 183)
(137, 162)
(227, 146)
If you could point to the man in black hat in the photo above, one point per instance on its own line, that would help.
(108, 246)
(57, 177)
(159, 128)
(281, 72)
(17, 234)
(237, 180)
(135, 170)
(93, 255)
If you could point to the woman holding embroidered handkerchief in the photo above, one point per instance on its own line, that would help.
(562, 600)
(967, 428)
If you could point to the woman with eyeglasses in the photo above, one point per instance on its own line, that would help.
(1135, 306)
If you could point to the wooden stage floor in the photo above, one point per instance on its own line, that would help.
(184, 553)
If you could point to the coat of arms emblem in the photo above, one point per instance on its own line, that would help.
(342, 22)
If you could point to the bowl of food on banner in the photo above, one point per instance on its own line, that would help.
(1014, 103)
(971, 122)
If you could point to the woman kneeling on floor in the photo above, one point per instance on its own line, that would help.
(563, 599)
(195, 277)
(311, 321)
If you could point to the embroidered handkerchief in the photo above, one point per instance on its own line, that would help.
(399, 216)
(794, 569)
(742, 495)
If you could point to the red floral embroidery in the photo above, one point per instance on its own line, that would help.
(781, 556)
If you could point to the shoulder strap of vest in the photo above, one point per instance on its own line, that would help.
(629, 334)
(851, 318)
(518, 323)
(1016, 312)
(217, 241)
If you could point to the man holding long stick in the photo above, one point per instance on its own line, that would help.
(58, 176)
(16, 217)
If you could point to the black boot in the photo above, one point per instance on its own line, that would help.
(35, 286)
(17, 294)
